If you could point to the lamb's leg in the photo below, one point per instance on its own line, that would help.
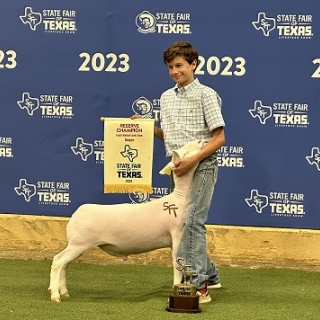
(63, 282)
(55, 279)
(59, 270)
(176, 272)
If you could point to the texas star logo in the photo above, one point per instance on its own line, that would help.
(258, 201)
(25, 189)
(28, 103)
(314, 158)
(263, 113)
(129, 153)
(266, 25)
(31, 18)
(83, 149)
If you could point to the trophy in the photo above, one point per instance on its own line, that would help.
(184, 298)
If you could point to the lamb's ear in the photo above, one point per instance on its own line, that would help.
(166, 169)
(176, 155)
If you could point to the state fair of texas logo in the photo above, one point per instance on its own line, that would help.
(163, 22)
(283, 114)
(47, 192)
(53, 20)
(288, 26)
(279, 203)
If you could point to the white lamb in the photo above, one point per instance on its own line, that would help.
(124, 229)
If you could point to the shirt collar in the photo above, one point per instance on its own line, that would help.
(187, 88)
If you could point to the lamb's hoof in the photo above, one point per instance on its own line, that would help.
(65, 295)
(55, 299)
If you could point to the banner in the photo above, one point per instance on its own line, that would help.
(128, 157)
(262, 58)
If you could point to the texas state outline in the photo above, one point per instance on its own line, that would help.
(23, 187)
(263, 113)
(265, 24)
(258, 201)
(314, 158)
(31, 18)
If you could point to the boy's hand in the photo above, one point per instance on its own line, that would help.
(135, 116)
(182, 166)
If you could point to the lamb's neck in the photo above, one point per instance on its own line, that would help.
(183, 184)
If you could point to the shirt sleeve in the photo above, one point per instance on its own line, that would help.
(212, 103)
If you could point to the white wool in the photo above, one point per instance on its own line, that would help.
(124, 229)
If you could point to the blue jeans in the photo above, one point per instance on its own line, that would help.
(193, 247)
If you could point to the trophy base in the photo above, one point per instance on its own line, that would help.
(183, 304)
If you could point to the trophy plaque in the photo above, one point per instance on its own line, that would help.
(184, 298)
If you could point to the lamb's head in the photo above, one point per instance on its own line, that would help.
(188, 150)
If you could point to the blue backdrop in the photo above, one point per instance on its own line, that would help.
(65, 64)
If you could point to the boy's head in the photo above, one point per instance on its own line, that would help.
(180, 49)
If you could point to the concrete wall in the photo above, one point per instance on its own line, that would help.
(37, 237)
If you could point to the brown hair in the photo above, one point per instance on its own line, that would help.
(178, 49)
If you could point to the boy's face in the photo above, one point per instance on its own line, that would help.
(181, 71)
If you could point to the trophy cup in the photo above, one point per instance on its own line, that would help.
(184, 298)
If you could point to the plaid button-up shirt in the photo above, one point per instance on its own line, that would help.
(189, 113)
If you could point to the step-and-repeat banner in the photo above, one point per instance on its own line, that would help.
(65, 64)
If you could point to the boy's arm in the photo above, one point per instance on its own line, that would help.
(182, 166)
(215, 143)
(158, 133)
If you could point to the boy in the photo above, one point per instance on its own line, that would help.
(190, 111)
